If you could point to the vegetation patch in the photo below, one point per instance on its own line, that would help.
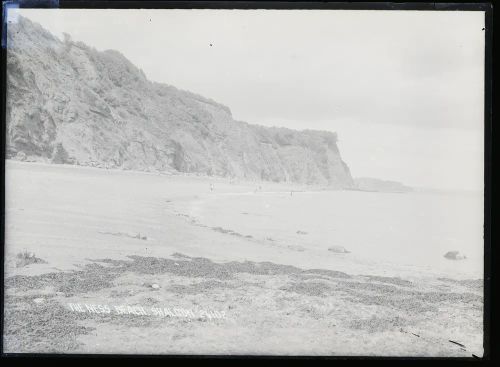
(27, 258)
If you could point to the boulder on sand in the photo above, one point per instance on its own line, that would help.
(338, 250)
(454, 255)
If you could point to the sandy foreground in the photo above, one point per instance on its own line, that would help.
(120, 265)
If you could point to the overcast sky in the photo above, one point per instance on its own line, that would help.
(404, 90)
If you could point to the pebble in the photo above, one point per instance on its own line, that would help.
(338, 249)
(155, 286)
(39, 300)
(454, 255)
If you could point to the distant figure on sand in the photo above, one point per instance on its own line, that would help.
(211, 187)
(291, 193)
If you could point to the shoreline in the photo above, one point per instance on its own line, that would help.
(179, 204)
(107, 239)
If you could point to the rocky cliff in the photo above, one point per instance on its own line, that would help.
(69, 103)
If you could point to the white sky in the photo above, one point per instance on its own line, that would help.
(403, 89)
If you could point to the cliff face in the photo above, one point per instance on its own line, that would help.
(69, 103)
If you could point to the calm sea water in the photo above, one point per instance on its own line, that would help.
(413, 229)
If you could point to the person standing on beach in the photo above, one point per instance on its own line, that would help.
(211, 187)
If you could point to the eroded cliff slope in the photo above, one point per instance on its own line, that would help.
(69, 103)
